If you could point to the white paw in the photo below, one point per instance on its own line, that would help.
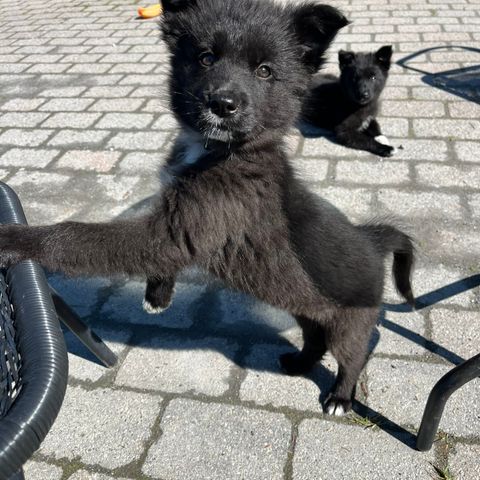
(149, 308)
(383, 140)
(336, 409)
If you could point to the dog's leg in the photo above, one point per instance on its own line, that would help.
(374, 131)
(314, 347)
(158, 294)
(352, 136)
(141, 246)
(349, 345)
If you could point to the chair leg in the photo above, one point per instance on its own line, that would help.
(83, 332)
(441, 392)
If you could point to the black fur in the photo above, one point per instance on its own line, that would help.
(348, 105)
(236, 208)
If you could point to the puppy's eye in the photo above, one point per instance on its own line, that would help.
(207, 59)
(373, 77)
(263, 72)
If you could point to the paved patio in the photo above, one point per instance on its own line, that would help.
(197, 393)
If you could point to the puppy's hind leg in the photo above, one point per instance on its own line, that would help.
(158, 294)
(314, 347)
(348, 342)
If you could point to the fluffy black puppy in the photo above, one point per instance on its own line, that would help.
(231, 203)
(349, 104)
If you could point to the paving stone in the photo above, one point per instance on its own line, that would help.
(324, 147)
(401, 334)
(106, 92)
(412, 109)
(88, 160)
(219, 441)
(166, 122)
(138, 141)
(266, 384)
(102, 427)
(24, 138)
(143, 162)
(66, 137)
(415, 149)
(22, 104)
(117, 105)
(179, 365)
(66, 105)
(325, 447)
(454, 129)
(23, 157)
(399, 390)
(71, 120)
(456, 330)
(84, 475)
(42, 471)
(394, 127)
(372, 172)
(311, 170)
(22, 119)
(125, 121)
(420, 204)
(442, 175)
(126, 306)
(464, 463)
(62, 92)
(468, 151)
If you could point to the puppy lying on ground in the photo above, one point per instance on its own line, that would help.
(348, 105)
(232, 204)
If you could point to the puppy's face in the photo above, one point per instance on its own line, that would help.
(241, 67)
(363, 75)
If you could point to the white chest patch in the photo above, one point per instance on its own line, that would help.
(365, 124)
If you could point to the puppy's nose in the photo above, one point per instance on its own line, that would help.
(223, 104)
(364, 95)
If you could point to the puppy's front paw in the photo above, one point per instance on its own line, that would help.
(384, 150)
(153, 308)
(337, 406)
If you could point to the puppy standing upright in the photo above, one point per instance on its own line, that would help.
(348, 105)
(232, 204)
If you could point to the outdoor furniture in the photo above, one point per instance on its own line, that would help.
(448, 384)
(33, 355)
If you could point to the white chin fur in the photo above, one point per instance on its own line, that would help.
(336, 410)
(149, 308)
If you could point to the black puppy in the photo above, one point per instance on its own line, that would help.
(348, 105)
(231, 203)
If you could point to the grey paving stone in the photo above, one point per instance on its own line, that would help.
(116, 105)
(458, 331)
(66, 105)
(329, 450)
(126, 306)
(455, 129)
(143, 162)
(401, 334)
(372, 172)
(84, 475)
(324, 147)
(464, 463)
(449, 176)
(415, 149)
(219, 441)
(125, 121)
(266, 384)
(24, 138)
(412, 109)
(66, 137)
(419, 204)
(62, 92)
(178, 365)
(42, 471)
(22, 104)
(102, 427)
(399, 390)
(23, 157)
(97, 161)
(311, 170)
(22, 119)
(71, 120)
(138, 141)
(468, 151)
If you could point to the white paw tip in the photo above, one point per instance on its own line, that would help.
(149, 308)
(335, 409)
(383, 140)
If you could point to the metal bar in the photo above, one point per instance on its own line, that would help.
(441, 392)
(82, 331)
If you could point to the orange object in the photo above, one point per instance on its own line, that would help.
(151, 11)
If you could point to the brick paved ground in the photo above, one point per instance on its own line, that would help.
(197, 394)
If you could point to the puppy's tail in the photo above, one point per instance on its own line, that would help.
(388, 238)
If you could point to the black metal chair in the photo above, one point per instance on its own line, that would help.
(33, 355)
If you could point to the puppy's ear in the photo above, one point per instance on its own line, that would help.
(345, 59)
(383, 56)
(176, 5)
(315, 27)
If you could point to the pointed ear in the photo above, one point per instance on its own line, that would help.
(315, 26)
(384, 55)
(176, 5)
(345, 58)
